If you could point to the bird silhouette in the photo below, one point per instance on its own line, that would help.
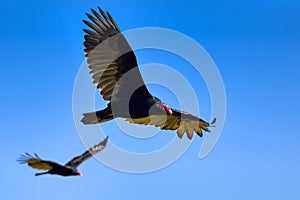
(69, 169)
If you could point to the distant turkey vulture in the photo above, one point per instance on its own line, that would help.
(69, 169)
(115, 72)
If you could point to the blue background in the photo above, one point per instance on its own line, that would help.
(256, 47)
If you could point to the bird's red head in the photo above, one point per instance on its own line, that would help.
(167, 108)
(79, 173)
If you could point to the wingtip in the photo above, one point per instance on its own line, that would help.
(101, 11)
(106, 139)
(213, 121)
(85, 21)
(88, 15)
(104, 142)
(199, 132)
(23, 158)
(190, 136)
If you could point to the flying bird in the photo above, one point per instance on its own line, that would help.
(114, 70)
(69, 169)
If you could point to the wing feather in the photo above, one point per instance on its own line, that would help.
(87, 154)
(109, 58)
(180, 131)
(37, 163)
(180, 121)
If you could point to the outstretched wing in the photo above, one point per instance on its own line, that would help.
(180, 121)
(110, 57)
(86, 155)
(37, 163)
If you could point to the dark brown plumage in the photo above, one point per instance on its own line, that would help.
(114, 70)
(69, 169)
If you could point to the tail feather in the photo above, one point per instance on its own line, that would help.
(42, 173)
(90, 118)
(97, 117)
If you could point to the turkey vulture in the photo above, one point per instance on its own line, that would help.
(69, 169)
(114, 70)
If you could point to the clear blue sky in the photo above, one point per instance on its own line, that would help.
(256, 47)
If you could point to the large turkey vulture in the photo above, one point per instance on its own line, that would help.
(115, 72)
(69, 169)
